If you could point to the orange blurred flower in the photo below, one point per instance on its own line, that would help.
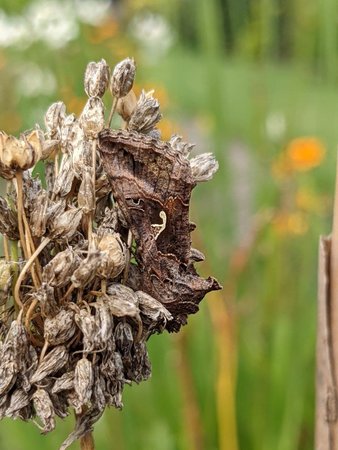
(304, 153)
(294, 223)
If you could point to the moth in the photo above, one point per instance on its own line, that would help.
(152, 183)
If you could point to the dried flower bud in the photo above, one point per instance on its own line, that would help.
(61, 328)
(44, 410)
(71, 134)
(122, 301)
(92, 117)
(180, 146)
(124, 339)
(203, 167)
(83, 381)
(122, 79)
(64, 180)
(87, 269)
(49, 148)
(17, 153)
(64, 383)
(51, 363)
(126, 105)
(54, 117)
(58, 271)
(146, 114)
(115, 255)
(152, 308)
(6, 269)
(89, 328)
(86, 194)
(19, 399)
(96, 78)
(38, 217)
(8, 221)
(65, 225)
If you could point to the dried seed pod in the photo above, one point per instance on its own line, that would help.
(64, 181)
(64, 383)
(92, 117)
(83, 381)
(58, 271)
(153, 309)
(87, 269)
(38, 217)
(180, 146)
(126, 105)
(55, 117)
(65, 225)
(140, 369)
(44, 410)
(96, 79)
(6, 270)
(8, 221)
(61, 328)
(122, 78)
(146, 114)
(89, 327)
(51, 363)
(86, 194)
(203, 167)
(115, 255)
(71, 134)
(50, 147)
(46, 299)
(82, 157)
(104, 321)
(123, 335)
(122, 301)
(19, 399)
(17, 153)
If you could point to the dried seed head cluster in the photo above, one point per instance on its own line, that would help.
(77, 307)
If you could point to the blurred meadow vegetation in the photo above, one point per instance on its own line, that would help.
(256, 82)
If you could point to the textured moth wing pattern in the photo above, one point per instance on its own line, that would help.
(148, 178)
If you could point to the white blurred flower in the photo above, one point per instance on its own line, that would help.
(33, 81)
(14, 31)
(275, 125)
(92, 11)
(53, 22)
(153, 32)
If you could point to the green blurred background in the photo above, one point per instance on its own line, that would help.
(256, 82)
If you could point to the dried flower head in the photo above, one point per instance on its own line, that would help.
(96, 79)
(104, 256)
(146, 114)
(92, 117)
(122, 78)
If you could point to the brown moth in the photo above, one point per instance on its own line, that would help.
(151, 183)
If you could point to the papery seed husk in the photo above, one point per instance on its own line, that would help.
(89, 327)
(115, 255)
(180, 146)
(146, 114)
(50, 148)
(152, 308)
(104, 321)
(87, 269)
(203, 167)
(92, 117)
(71, 134)
(64, 383)
(83, 380)
(124, 339)
(16, 153)
(121, 301)
(45, 296)
(38, 217)
(64, 181)
(51, 363)
(86, 194)
(61, 328)
(82, 156)
(65, 225)
(54, 117)
(122, 79)
(96, 79)
(19, 399)
(58, 271)
(6, 270)
(126, 105)
(44, 410)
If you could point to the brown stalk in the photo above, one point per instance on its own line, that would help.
(112, 111)
(87, 442)
(20, 212)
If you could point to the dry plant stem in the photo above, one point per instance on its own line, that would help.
(20, 212)
(87, 442)
(112, 111)
(31, 246)
(25, 269)
(333, 310)
(44, 349)
(6, 248)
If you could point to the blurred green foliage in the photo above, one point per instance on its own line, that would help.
(242, 78)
